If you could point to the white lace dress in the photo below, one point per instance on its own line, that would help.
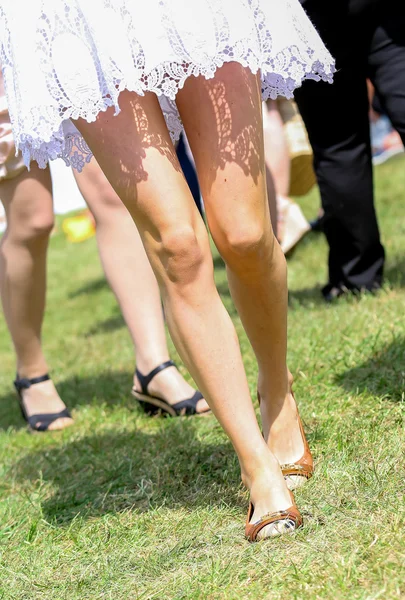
(65, 59)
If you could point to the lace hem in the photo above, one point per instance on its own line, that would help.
(68, 144)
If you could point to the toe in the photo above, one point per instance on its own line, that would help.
(60, 424)
(276, 529)
(295, 481)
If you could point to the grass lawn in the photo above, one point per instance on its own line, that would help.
(121, 506)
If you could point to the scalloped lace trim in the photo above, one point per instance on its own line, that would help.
(75, 152)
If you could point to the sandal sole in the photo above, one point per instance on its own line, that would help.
(154, 406)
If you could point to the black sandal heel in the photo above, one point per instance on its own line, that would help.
(37, 422)
(153, 405)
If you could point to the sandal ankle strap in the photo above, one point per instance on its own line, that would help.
(23, 383)
(145, 380)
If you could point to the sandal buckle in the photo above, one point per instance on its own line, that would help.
(22, 384)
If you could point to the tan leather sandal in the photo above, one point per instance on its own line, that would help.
(303, 467)
(291, 517)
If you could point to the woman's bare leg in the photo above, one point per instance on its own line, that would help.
(276, 148)
(291, 224)
(27, 200)
(277, 160)
(131, 278)
(135, 152)
(222, 117)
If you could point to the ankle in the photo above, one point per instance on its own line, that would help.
(259, 467)
(30, 371)
(273, 390)
(268, 491)
(146, 363)
(278, 416)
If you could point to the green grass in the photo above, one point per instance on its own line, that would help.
(125, 507)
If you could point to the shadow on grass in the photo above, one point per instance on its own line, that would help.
(114, 471)
(383, 374)
(110, 389)
(307, 297)
(90, 287)
(113, 323)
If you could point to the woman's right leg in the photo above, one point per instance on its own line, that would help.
(135, 152)
(27, 200)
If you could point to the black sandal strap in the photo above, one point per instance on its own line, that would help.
(145, 380)
(41, 422)
(23, 383)
(189, 406)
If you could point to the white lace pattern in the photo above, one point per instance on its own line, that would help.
(65, 59)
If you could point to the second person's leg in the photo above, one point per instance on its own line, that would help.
(386, 62)
(131, 278)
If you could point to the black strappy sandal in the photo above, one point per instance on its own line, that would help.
(37, 422)
(153, 405)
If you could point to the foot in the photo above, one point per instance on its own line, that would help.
(43, 398)
(269, 495)
(292, 225)
(317, 224)
(171, 386)
(332, 292)
(282, 432)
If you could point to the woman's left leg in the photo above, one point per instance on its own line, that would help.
(131, 278)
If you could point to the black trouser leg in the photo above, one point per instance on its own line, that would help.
(336, 117)
(387, 63)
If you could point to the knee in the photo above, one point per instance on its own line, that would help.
(36, 229)
(184, 253)
(244, 242)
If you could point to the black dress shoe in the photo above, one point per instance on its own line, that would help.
(331, 292)
(317, 224)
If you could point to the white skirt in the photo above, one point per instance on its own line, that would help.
(65, 59)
